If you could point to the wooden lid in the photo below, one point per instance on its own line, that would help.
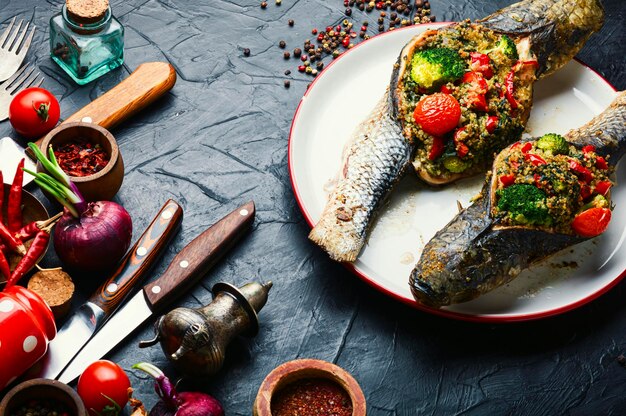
(86, 11)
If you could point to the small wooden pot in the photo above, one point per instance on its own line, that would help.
(41, 388)
(292, 371)
(103, 185)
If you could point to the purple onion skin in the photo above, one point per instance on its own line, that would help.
(97, 240)
(188, 404)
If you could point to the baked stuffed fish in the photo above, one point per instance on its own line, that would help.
(543, 195)
(457, 96)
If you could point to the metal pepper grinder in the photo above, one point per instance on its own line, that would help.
(195, 339)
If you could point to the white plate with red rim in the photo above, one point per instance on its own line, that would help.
(342, 96)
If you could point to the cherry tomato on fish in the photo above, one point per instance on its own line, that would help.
(437, 114)
(33, 112)
(103, 387)
(592, 222)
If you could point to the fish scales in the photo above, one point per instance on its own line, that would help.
(473, 255)
(372, 164)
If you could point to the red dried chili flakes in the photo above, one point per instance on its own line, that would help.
(81, 158)
(312, 397)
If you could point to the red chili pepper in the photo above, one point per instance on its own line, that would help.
(11, 242)
(437, 149)
(1, 196)
(536, 160)
(491, 124)
(527, 147)
(588, 149)
(585, 190)
(36, 249)
(14, 205)
(507, 180)
(580, 170)
(592, 222)
(5, 270)
(601, 163)
(28, 231)
(603, 187)
(510, 89)
(444, 89)
(482, 64)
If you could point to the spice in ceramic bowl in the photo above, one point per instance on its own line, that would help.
(80, 157)
(41, 407)
(312, 397)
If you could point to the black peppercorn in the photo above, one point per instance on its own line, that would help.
(286, 55)
(287, 83)
(263, 4)
(282, 44)
(348, 11)
(297, 52)
(246, 51)
(291, 22)
(288, 72)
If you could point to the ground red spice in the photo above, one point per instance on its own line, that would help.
(81, 158)
(312, 397)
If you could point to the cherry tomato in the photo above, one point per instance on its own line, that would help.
(33, 112)
(102, 386)
(591, 222)
(437, 114)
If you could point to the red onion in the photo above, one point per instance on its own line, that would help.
(96, 240)
(173, 403)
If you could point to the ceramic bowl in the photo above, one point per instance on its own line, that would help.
(103, 185)
(41, 388)
(292, 371)
(32, 210)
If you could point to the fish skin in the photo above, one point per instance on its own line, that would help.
(378, 155)
(372, 164)
(473, 255)
(557, 29)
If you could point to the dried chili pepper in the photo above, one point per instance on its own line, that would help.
(81, 158)
(36, 249)
(4, 266)
(11, 242)
(30, 230)
(14, 205)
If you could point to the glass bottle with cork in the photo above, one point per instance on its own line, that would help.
(86, 40)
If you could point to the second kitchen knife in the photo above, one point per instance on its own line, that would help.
(90, 316)
(191, 264)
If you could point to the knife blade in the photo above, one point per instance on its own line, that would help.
(142, 87)
(187, 267)
(92, 315)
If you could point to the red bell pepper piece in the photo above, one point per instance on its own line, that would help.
(14, 205)
(591, 222)
(580, 170)
(603, 187)
(588, 149)
(476, 93)
(537, 179)
(601, 163)
(1, 196)
(516, 144)
(527, 147)
(509, 85)
(481, 63)
(461, 148)
(444, 89)
(507, 180)
(585, 191)
(437, 149)
(491, 124)
(536, 160)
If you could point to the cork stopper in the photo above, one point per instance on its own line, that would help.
(86, 11)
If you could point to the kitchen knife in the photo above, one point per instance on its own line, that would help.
(90, 316)
(142, 87)
(191, 264)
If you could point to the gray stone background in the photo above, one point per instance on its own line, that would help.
(219, 138)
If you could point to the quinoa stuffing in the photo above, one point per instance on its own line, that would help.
(552, 185)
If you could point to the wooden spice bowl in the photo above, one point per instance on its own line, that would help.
(32, 210)
(42, 389)
(103, 185)
(292, 371)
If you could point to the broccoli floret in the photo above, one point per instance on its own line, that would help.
(554, 144)
(436, 66)
(455, 164)
(526, 204)
(507, 47)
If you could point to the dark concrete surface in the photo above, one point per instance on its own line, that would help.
(219, 138)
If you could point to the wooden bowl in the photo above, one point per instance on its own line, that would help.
(292, 371)
(41, 388)
(103, 185)
(32, 210)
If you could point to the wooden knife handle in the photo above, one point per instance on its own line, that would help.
(142, 87)
(194, 261)
(139, 258)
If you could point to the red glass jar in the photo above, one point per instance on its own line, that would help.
(26, 328)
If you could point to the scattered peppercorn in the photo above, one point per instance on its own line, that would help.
(291, 22)
(246, 52)
(286, 55)
(263, 4)
(348, 12)
(279, 2)
(297, 52)
(287, 83)
(320, 65)
(621, 360)
(287, 72)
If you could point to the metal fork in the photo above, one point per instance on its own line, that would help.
(20, 80)
(12, 51)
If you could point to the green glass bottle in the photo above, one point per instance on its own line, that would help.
(86, 40)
